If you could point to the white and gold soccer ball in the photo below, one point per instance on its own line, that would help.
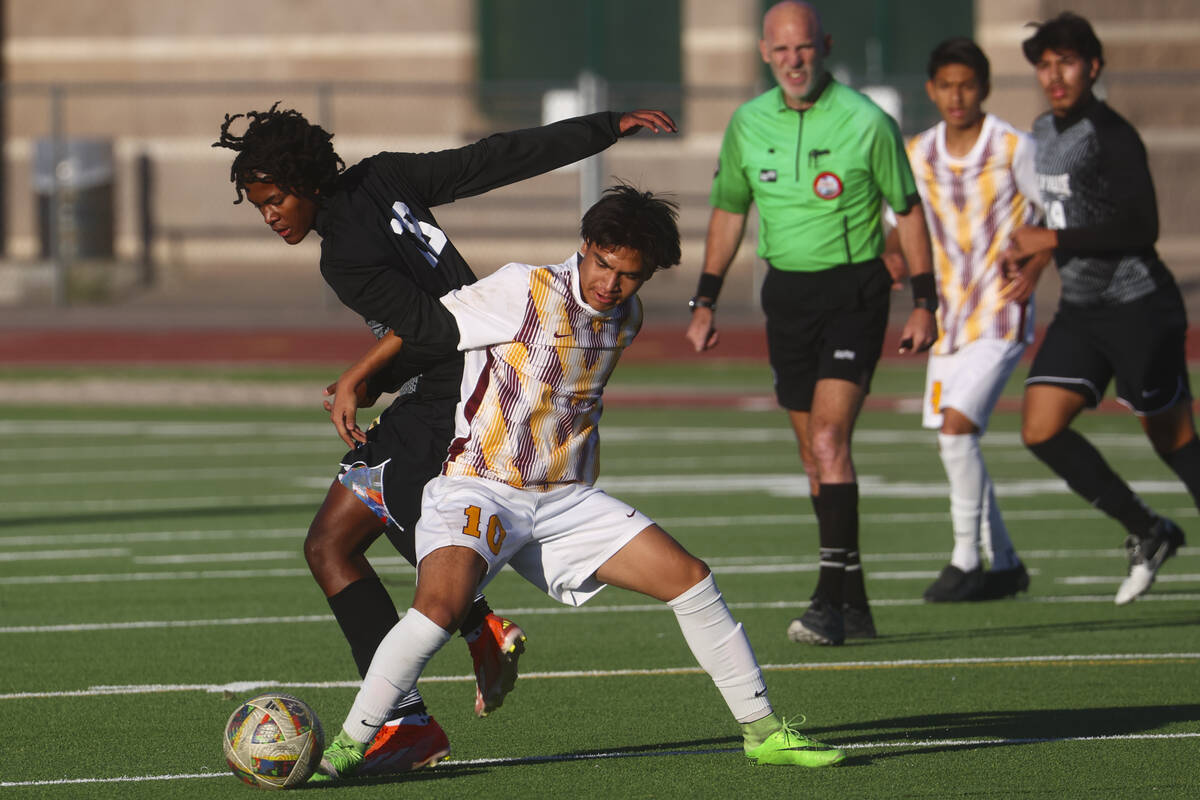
(274, 741)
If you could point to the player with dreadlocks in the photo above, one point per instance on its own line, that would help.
(386, 257)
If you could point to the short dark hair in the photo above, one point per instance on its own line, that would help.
(961, 50)
(1067, 31)
(281, 147)
(642, 221)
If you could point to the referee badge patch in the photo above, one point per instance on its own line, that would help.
(767, 175)
(827, 186)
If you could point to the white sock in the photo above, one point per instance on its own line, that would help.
(722, 649)
(968, 479)
(996, 545)
(393, 673)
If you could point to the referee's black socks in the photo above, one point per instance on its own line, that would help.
(840, 580)
(1074, 460)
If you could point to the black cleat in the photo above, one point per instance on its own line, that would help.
(1001, 583)
(820, 624)
(858, 622)
(955, 586)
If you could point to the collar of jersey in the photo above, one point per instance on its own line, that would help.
(573, 262)
(1076, 114)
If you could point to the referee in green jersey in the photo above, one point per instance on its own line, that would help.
(817, 158)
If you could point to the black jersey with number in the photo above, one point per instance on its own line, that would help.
(385, 255)
(1097, 191)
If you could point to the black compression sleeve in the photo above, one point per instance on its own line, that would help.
(504, 158)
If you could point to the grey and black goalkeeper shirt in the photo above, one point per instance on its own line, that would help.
(1097, 191)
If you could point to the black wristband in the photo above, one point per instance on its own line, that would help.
(924, 291)
(710, 286)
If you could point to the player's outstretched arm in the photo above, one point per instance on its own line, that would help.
(350, 388)
(652, 120)
(725, 230)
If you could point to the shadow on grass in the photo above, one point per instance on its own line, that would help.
(453, 769)
(1001, 728)
(1170, 619)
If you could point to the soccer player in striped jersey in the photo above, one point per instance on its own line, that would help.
(517, 486)
(975, 174)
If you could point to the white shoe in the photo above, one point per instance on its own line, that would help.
(1146, 555)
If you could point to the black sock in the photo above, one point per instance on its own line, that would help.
(365, 612)
(856, 585)
(1074, 459)
(838, 522)
(475, 617)
(1185, 462)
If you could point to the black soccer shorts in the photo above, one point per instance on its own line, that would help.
(405, 447)
(1142, 343)
(827, 324)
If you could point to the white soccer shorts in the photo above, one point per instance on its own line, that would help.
(969, 380)
(555, 539)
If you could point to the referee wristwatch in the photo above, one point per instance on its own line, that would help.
(701, 302)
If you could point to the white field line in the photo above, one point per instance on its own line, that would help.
(153, 536)
(200, 558)
(543, 611)
(1093, 580)
(139, 452)
(59, 555)
(671, 523)
(230, 500)
(787, 485)
(243, 431)
(601, 755)
(738, 565)
(615, 434)
(111, 475)
(242, 687)
(396, 566)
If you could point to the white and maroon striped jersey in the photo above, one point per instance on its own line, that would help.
(972, 205)
(537, 359)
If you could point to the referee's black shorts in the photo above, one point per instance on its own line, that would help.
(827, 324)
(1142, 344)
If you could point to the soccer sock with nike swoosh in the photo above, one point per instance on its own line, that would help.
(721, 647)
(398, 662)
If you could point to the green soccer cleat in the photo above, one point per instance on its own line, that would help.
(341, 759)
(786, 747)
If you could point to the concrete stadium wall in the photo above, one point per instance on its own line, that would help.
(171, 69)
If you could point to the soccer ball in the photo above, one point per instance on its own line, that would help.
(274, 741)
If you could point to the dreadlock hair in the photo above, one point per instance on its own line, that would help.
(627, 217)
(283, 148)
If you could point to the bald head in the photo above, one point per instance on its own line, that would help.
(795, 46)
(792, 11)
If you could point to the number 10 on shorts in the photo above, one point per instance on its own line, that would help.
(495, 531)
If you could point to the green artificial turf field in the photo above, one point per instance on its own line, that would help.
(151, 578)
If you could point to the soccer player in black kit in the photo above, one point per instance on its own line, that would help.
(387, 259)
(1120, 314)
